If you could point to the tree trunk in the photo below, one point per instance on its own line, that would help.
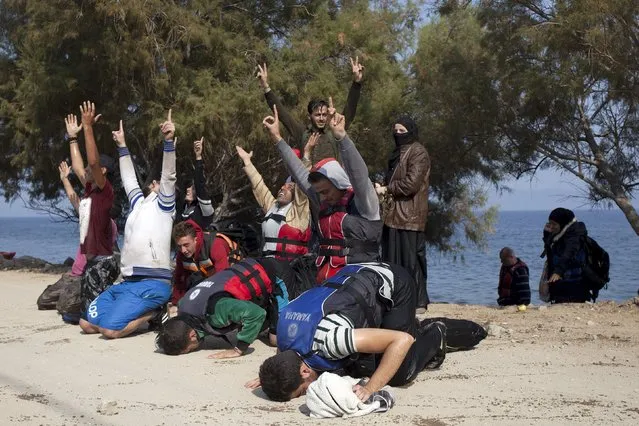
(629, 210)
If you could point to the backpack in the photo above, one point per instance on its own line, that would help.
(596, 270)
(248, 236)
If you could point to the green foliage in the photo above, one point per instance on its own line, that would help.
(136, 59)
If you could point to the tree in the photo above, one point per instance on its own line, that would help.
(136, 59)
(457, 109)
(568, 85)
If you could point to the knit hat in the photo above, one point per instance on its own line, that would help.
(562, 216)
(331, 170)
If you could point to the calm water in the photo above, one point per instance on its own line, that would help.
(469, 278)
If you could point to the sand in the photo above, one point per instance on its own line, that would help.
(565, 364)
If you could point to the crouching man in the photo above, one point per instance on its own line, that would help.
(246, 296)
(364, 309)
(145, 261)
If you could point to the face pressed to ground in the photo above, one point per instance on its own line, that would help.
(285, 194)
(319, 117)
(186, 245)
(327, 192)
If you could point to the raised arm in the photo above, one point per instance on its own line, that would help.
(353, 94)
(365, 197)
(127, 170)
(64, 170)
(294, 127)
(77, 165)
(297, 169)
(93, 156)
(203, 197)
(166, 197)
(261, 192)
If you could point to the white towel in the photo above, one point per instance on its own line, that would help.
(332, 396)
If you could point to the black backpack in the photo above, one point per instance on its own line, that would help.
(596, 271)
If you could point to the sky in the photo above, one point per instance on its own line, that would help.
(549, 189)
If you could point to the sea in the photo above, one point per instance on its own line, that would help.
(468, 277)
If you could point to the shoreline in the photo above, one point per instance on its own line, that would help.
(561, 364)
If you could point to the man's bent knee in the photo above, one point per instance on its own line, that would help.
(87, 327)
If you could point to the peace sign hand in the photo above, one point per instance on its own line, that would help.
(262, 75)
(272, 125)
(168, 128)
(197, 148)
(336, 121)
(118, 136)
(358, 70)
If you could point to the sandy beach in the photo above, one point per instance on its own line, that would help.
(559, 365)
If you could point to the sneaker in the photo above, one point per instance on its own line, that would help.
(161, 316)
(440, 356)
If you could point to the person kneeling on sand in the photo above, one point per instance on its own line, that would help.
(240, 297)
(514, 286)
(365, 308)
(145, 261)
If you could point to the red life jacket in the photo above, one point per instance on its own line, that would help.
(290, 242)
(345, 237)
(246, 280)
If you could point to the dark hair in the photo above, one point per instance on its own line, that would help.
(506, 251)
(149, 180)
(183, 229)
(173, 337)
(316, 103)
(280, 375)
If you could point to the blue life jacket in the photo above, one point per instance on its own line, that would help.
(299, 320)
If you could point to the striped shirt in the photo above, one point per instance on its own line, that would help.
(334, 337)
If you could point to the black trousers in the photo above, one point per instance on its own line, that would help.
(408, 249)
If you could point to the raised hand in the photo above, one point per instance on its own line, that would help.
(118, 136)
(336, 121)
(168, 128)
(197, 148)
(262, 75)
(245, 156)
(358, 70)
(87, 109)
(312, 142)
(331, 109)
(71, 123)
(272, 125)
(64, 170)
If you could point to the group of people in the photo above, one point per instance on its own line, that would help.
(338, 283)
(576, 267)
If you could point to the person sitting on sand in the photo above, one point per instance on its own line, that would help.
(363, 309)
(240, 297)
(514, 286)
(146, 255)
